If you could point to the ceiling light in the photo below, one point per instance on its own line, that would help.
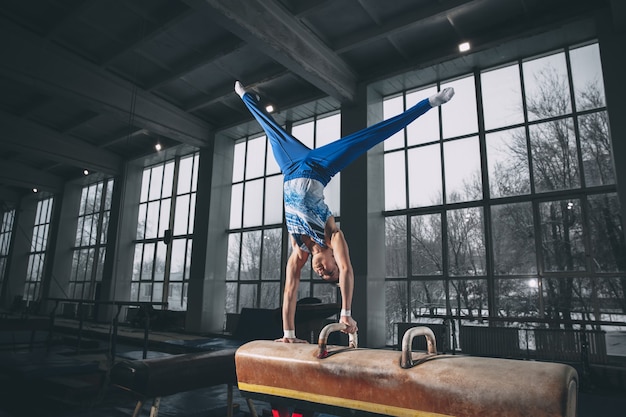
(465, 46)
(35, 190)
(157, 146)
(269, 108)
(85, 172)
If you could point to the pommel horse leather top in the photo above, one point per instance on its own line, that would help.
(404, 384)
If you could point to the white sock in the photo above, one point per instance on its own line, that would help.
(441, 97)
(239, 89)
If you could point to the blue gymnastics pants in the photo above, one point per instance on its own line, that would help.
(296, 160)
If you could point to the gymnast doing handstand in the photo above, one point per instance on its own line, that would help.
(309, 220)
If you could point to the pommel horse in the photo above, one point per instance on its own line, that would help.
(301, 379)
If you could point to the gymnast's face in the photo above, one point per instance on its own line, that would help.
(325, 266)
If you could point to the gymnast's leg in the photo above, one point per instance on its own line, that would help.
(336, 155)
(287, 149)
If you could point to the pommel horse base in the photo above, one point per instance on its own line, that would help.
(353, 381)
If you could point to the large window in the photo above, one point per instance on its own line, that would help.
(165, 231)
(258, 242)
(6, 230)
(38, 248)
(91, 238)
(506, 193)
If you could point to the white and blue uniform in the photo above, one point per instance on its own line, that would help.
(305, 210)
(307, 171)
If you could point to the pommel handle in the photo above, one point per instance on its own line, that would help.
(328, 329)
(407, 342)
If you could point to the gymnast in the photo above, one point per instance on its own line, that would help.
(309, 220)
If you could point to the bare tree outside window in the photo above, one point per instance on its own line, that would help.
(562, 235)
(596, 145)
(606, 234)
(468, 298)
(396, 307)
(507, 159)
(250, 263)
(517, 297)
(513, 239)
(426, 256)
(395, 246)
(466, 246)
(554, 230)
(428, 297)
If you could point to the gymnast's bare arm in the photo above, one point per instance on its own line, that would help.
(295, 263)
(346, 279)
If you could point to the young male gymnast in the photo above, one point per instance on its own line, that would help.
(309, 220)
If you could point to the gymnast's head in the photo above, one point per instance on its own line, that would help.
(324, 264)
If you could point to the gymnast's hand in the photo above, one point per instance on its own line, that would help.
(290, 340)
(350, 322)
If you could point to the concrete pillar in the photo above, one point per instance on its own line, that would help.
(611, 37)
(66, 207)
(362, 201)
(110, 290)
(118, 268)
(206, 296)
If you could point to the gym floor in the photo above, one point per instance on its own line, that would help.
(95, 397)
(211, 402)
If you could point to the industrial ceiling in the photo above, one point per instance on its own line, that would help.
(93, 84)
